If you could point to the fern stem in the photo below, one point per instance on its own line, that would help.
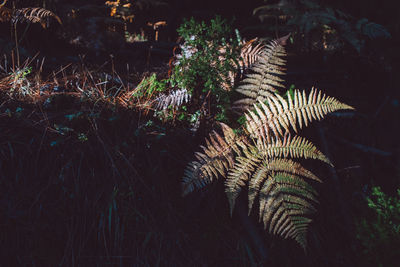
(16, 43)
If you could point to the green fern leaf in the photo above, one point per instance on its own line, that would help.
(285, 203)
(291, 167)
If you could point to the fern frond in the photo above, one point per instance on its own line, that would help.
(248, 166)
(250, 54)
(240, 173)
(286, 199)
(218, 156)
(276, 117)
(293, 147)
(296, 182)
(33, 15)
(291, 167)
(259, 176)
(286, 167)
(264, 79)
(285, 203)
(175, 98)
(281, 184)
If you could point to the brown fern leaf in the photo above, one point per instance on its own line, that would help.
(34, 15)
(276, 118)
(250, 53)
(286, 199)
(240, 173)
(264, 79)
(218, 156)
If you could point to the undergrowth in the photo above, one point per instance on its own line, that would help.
(75, 152)
(76, 146)
(379, 231)
(204, 71)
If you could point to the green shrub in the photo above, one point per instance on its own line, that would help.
(205, 69)
(209, 55)
(380, 235)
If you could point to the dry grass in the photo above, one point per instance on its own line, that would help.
(85, 179)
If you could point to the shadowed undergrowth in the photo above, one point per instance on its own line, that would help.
(90, 182)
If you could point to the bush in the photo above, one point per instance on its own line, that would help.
(205, 69)
(380, 234)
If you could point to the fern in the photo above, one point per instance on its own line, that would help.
(264, 79)
(175, 99)
(263, 156)
(285, 203)
(250, 53)
(276, 118)
(217, 158)
(28, 14)
(240, 173)
(34, 15)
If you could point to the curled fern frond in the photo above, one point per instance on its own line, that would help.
(218, 156)
(264, 80)
(34, 15)
(175, 99)
(276, 118)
